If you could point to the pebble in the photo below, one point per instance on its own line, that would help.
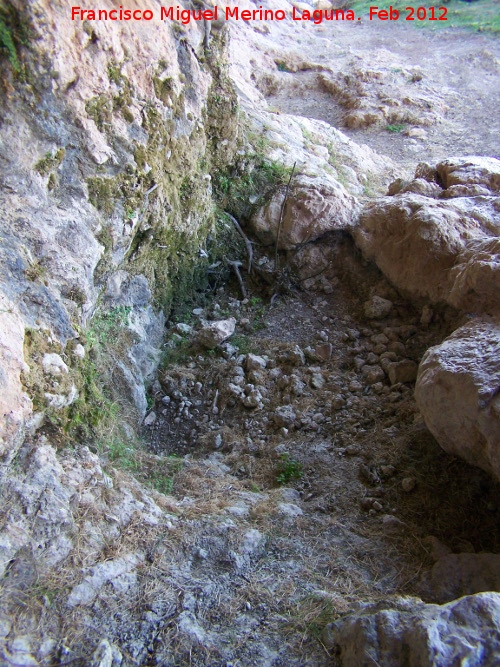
(355, 386)
(317, 381)
(290, 510)
(408, 484)
(150, 419)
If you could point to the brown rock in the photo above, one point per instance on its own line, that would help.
(314, 206)
(402, 371)
(417, 242)
(470, 170)
(455, 575)
(457, 392)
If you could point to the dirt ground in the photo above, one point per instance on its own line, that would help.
(458, 67)
(346, 488)
(333, 480)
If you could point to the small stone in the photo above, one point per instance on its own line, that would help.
(323, 352)
(166, 400)
(296, 356)
(387, 471)
(359, 362)
(215, 333)
(398, 348)
(54, 365)
(317, 381)
(426, 317)
(150, 419)
(408, 484)
(377, 506)
(284, 416)
(352, 450)
(392, 524)
(338, 402)
(255, 363)
(377, 308)
(251, 401)
(290, 509)
(355, 386)
(79, 351)
(183, 329)
(402, 371)
(366, 503)
(290, 495)
(373, 374)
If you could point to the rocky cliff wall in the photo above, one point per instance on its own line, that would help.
(109, 134)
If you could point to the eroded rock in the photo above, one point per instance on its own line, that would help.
(215, 333)
(446, 249)
(457, 392)
(408, 632)
(314, 206)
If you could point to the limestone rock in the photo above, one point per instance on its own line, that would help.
(255, 363)
(284, 416)
(408, 632)
(402, 371)
(416, 241)
(475, 277)
(470, 170)
(54, 365)
(314, 206)
(119, 572)
(455, 575)
(377, 308)
(457, 392)
(214, 333)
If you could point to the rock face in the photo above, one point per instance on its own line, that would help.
(409, 632)
(440, 246)
(457, 392)
(88, 210)
(313, 207)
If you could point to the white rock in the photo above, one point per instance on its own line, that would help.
(290, 509)
(377, 308)
(54, 365)
(215, 333)
(255, 363)
(406, 631)
(79, 351)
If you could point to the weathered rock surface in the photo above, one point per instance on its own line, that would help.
(440, 249)
(456, 575)
(470, 171)
(457, 392)
(375, 95)
(409, 632)
(214, 333)
(313, 207)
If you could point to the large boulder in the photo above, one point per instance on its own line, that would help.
(456, 575)
(314, 206)
(458, 393)
(443, 245)
(408, 632)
